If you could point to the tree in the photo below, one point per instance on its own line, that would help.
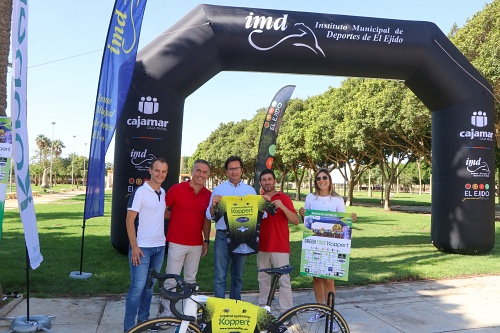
(341, 135)
(57, 147)
(478, 41)
(233, 138)
(5, 24)
(417, 172)
(384, 130)
(185, 165)
(291, 141)
(43, 143)
(60, 170)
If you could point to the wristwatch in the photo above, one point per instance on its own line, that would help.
(207, 241)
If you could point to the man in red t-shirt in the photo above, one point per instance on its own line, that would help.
(274, 242)
(188, 230)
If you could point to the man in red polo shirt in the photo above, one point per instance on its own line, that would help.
(188, 230)
(274, 242)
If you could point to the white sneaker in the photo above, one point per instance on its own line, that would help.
(335, 327)
(153, 329)
(163, 326)
(317, 317)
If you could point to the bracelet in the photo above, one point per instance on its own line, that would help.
(207, 241)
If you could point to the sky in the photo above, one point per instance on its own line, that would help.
(65, 45)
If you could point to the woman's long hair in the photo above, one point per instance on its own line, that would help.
(331, 190)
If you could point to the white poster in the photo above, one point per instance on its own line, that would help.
(326, 245)
(5, 156)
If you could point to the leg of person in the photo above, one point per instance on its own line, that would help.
(328, 285)
(319, 291)
(263, 261)
(221, 264)
(138, 278)
(279, 259)
(156, 256)
(319, 294)
(175, 259)
(191, 263)
(237, 266)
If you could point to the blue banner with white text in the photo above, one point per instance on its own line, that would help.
(117, 68)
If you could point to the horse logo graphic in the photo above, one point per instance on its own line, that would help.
(303, 36)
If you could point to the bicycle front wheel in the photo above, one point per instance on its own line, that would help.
(312, 317)
(165, 324)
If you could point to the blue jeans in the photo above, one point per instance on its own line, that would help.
(222, 257)
(139, 296)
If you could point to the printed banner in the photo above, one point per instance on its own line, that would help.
(5, 157)
(20, 130)
(243, 215)
(229, 315)
(269, 133)
(326, 245)
(117, 68)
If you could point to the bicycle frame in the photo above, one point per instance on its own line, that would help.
(190, 298)
(190, 308)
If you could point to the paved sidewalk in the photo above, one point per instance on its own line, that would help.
(43, 198)
(430, 306)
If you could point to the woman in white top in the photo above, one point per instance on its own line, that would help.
(324, 198)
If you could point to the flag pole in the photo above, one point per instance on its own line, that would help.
(81, 275)
(117, 67)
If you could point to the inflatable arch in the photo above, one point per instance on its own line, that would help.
(211, 39)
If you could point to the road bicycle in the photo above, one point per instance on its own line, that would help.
(194, 316)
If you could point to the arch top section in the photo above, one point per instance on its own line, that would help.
(211, 39)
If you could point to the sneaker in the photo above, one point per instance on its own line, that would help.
(317, 317)
(335, 327)
(156, 329)
(163, 326)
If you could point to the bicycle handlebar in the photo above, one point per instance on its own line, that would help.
(173, 296)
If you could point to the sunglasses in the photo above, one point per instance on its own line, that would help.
(319, 178)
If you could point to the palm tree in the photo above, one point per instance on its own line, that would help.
(43, 143)
(5, 17)
(57, 147)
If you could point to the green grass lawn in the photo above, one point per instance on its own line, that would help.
(405, 199)
(386, 246)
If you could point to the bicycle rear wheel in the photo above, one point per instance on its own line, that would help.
(300, 319)
(165, 324)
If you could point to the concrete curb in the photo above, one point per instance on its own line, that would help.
(4, 310)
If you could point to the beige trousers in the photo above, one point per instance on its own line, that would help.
(180, 256)
(274, 259)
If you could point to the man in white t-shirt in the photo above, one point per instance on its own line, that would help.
(145, 229)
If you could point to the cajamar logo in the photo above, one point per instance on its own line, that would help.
(148, 106)
(478, 119)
